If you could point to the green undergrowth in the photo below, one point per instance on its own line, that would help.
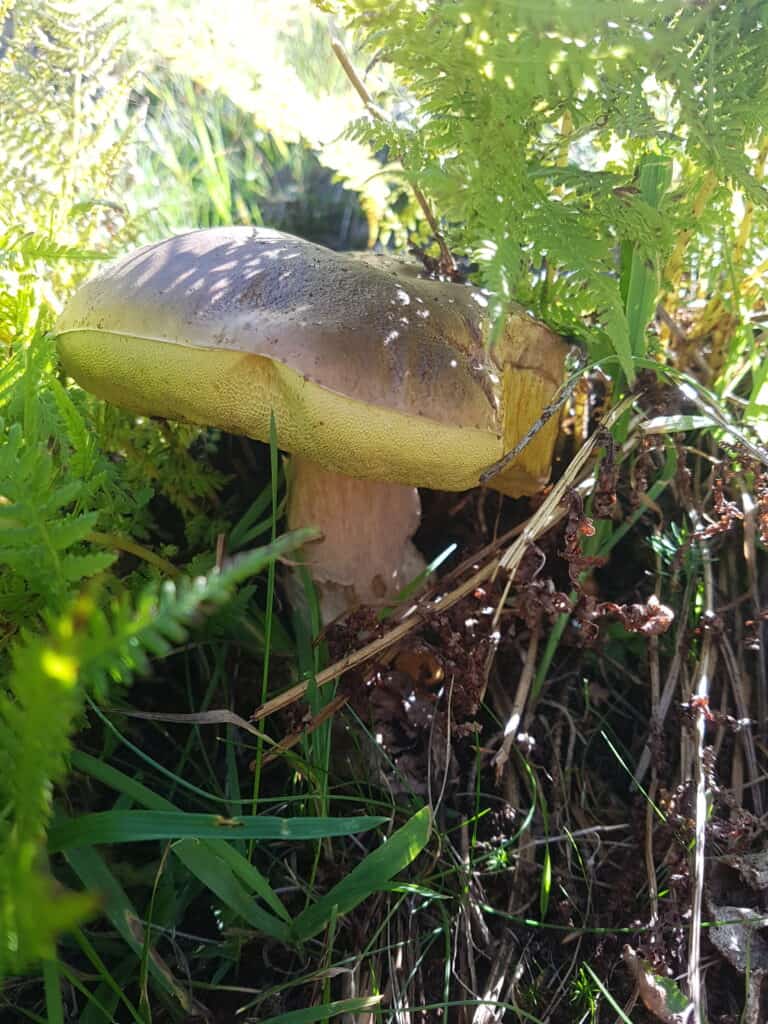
(154, 862)
(109, 532)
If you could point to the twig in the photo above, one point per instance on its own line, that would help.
(671, 324)
(421, 614)
(521, 696)
(562, 395)
(655, 672)
(750, 557)
(435, 804)
(343, 58)
(447, 262)
(513, 556)
(289, 741)
(742, 712)
(502, 966)
(547, 514)
(704, 671)
(665, 701)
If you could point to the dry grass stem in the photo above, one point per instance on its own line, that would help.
(549, 513)
(542, 519)
(446, 258)
(761, 626)
(289, 741)
(670, 685)
(742, 701)
(518, 705)
(704, 672)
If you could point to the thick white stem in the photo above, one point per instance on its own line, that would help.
(366, 554)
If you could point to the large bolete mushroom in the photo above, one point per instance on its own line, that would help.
(380, 380)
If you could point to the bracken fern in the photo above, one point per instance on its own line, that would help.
(85, 650)
(528, 124)
(68, 626)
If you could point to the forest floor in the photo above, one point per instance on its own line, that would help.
(590, 739)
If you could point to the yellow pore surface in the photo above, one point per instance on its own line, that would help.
(238, 392)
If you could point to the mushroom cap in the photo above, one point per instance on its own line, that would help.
(369, 369)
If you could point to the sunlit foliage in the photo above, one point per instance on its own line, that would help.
(529, 126)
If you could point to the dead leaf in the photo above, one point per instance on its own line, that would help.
(660, 996)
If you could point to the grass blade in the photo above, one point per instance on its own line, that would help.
(220, 867)
(121, 783)
(96, 876)
(142, 826)
(325, 1012)
(368, 877)
(219, 878)
(654, 177)
(54, 1006)
(609, 998)
(102, 1003)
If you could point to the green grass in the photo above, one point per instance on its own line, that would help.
(152, 860)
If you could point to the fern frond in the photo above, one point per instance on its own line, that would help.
(503, 92)
(41, 536)
(85, 650)
(64, 87)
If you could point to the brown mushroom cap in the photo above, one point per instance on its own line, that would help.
(370, 369)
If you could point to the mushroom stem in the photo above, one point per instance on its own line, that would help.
(366, 555)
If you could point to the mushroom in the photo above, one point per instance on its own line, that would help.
(380, 381)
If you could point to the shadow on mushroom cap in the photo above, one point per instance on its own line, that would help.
(370, 369)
